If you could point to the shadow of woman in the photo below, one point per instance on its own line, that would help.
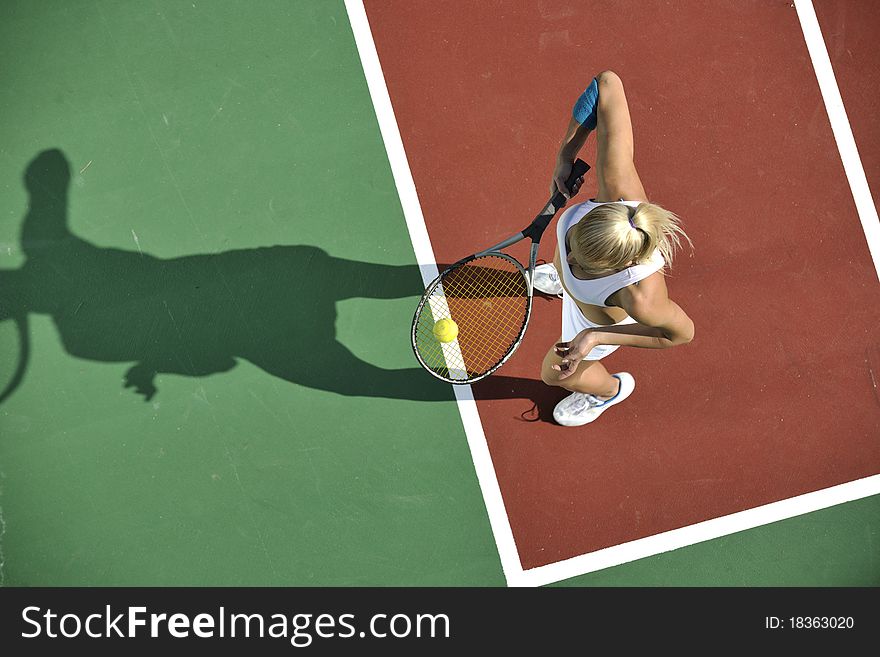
(196, 315)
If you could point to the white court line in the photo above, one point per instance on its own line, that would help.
(699, 532)
(666, 541)
(843, 135)
(418, 234)
(451, 350)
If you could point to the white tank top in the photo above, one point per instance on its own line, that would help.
(596, 291)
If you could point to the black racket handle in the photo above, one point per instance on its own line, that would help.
(535, 229)
(578, 169)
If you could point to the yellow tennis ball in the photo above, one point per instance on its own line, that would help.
(445, 330)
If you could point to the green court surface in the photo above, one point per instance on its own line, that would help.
(832, 547)
(232, 225)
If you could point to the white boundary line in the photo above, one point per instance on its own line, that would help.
(699, 532)
(843, 135)
(418, 234)
(677, 538)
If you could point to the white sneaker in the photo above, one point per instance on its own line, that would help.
(580, 408)
(546, 279)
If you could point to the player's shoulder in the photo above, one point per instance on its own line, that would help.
(645, 298)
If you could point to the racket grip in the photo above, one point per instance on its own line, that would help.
(578, 169)
(557, 202)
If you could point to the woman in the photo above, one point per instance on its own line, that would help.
(608, 266)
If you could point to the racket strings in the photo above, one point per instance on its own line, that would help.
(488, 299)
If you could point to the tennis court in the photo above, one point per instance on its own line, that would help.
(215, 233)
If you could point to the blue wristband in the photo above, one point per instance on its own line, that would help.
(584, 111)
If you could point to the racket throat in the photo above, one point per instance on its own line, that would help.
(501, 245)
(533, 258)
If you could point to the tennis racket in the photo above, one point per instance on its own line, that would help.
(489, 297)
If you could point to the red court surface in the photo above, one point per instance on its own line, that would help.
(776, 396)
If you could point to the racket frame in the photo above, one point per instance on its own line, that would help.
(437, 281)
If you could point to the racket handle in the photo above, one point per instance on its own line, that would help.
(535, 229)
(578, 169)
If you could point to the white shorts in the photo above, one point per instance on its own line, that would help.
(573, 322)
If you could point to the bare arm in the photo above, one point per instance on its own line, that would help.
(575, 138)
(660, 326)
(615, 168)
(661, 323)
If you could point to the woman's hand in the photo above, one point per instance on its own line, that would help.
(560, 175)
(572, 353)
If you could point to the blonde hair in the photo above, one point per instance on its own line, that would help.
(615, 236)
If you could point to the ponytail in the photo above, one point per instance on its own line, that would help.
(661, 230)
(614, 236)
